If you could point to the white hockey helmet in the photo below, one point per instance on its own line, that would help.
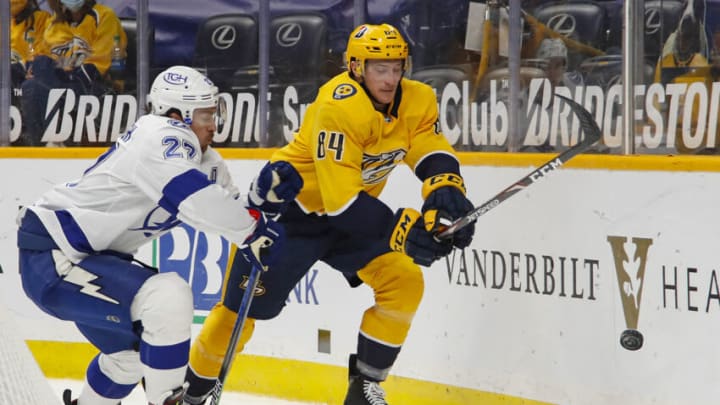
(183, 89)
(552, 48)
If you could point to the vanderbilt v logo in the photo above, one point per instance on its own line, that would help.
(630, 274)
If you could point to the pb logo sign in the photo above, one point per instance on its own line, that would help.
(199, 258)
(202, 258)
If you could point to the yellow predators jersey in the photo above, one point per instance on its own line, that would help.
(670, 70)
(21, 33)
(344, 146)
(90, 41)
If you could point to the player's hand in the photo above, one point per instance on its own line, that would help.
(445, 193)
(414, 237)
(277, 184)
(263, 247)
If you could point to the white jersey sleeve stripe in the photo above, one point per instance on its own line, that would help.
(73, 233)
(180, 187)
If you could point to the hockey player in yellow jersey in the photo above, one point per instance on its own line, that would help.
(75, 53)
(363, 123)
(27, 26)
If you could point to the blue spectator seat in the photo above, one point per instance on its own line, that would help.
(439, 76)
(606, 71)
(131, 72)
(298, 46)
(298, 55)
(661, 17)
(226, 46)
(584, 21)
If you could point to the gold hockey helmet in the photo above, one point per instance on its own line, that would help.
(370, 41)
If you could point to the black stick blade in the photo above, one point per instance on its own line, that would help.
(587, 122)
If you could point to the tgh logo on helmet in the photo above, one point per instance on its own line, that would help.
(175, 78)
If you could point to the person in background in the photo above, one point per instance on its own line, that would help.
(686, 53)
(715, 55)
(553, 54)
(27, 27)
(554, 51)
(75, 54)
(76, 243)
(363, 123)
(686, 64)
(694, 10)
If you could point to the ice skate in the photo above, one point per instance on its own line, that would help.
(362, 391)
(175, 397)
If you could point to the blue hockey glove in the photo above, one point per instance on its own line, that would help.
(410, 235)
(263, 247)
(446, 193)
(277, 184)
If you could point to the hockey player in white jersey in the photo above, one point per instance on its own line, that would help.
(76, 242)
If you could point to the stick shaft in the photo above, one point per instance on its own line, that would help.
(236, 332)
(592, 135)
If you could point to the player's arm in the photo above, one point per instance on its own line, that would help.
(170, 173)
(338, 163)
(277, 184)
(434, 162)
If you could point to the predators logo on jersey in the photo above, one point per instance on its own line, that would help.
(71, 54)
(344, 91)
(375, 168)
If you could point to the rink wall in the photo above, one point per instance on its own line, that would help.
(530, 313)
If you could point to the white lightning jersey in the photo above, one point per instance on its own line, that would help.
(149, 181)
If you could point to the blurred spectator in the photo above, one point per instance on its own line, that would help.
(685, 64)
(715, 57)
(435, 30)
(695, 11)
(554, 51)
(553, 54)
(27, 25)
(686, 52)
(75, 54)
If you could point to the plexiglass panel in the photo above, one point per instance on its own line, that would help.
(80, 78)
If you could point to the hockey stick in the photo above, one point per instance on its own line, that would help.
(235, 336)
(592, 135)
